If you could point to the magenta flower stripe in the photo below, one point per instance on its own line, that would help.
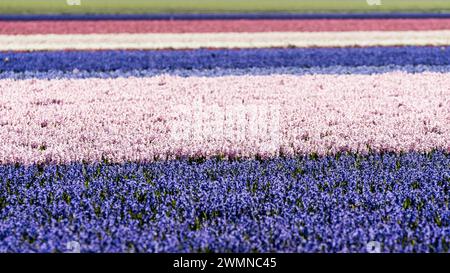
(205, 26)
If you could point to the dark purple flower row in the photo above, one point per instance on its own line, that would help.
(169, 60)
(223, 16)
(309, 204)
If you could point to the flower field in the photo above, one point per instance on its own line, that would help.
(241, 133)
(307, 204)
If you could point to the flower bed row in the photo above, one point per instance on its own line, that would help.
(218, 72)
(145, 119)
(142, 41)
(103, 61)
(205, 26)
(305, 204)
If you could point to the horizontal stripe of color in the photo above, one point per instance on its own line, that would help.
(169, 60)
(205, 26)
(330, 204)
(218, 72)
(222, 40)
(145, 119)
(225, 16)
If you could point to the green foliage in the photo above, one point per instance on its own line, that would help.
(205, 6)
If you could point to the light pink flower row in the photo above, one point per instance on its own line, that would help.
(146, 119)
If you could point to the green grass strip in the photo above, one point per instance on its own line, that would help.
(211, 6)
